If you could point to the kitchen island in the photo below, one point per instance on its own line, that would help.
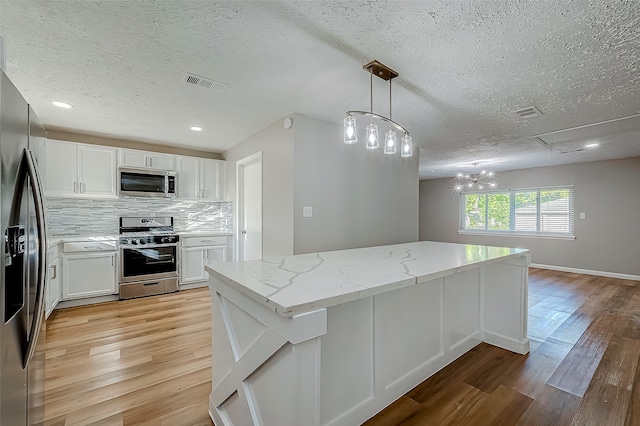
(332, 338)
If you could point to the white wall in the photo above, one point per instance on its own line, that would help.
(607, 240)
(276, 145)
(359, 197)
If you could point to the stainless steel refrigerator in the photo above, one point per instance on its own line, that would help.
(23, 271)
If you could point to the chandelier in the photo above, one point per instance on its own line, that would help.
(474, 181)
(371, 138)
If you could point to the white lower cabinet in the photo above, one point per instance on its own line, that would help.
(53, 290)
(88, 273)
(196, 252)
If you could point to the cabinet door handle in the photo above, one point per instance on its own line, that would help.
(244, 231)
(54, 268)
(75, 186)
(150, 162)
(112, 258)
(82, 187)
(146, 161)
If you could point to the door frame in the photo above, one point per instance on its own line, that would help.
(239, 214)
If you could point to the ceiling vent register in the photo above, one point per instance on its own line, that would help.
(529, 112)
(205, 83)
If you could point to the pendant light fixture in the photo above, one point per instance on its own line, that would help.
(371, 138)
(475, 181)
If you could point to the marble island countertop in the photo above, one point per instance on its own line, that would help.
(296, 284)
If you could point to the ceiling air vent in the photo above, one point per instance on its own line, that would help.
(205, 83)
(528, 112)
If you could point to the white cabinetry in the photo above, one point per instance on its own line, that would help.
(53, 290)
(196, 252)
(76, 170)
(89, 270)
(200, 179)
(142, 159)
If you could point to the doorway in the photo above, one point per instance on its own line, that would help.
(249, 196)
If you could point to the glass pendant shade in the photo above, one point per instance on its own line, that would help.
(390, 142)
(350, 132)
(372, 136)
(406, 149)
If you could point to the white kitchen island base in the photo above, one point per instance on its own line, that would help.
(338, 353)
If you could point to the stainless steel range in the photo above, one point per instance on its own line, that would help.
(148, 256)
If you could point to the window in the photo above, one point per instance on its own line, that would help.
(537, 211)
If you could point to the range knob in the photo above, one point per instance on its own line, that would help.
(141, 242)
(134, 242)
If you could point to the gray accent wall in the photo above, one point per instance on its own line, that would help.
(276, 145)
(360, 197)
(607, 240)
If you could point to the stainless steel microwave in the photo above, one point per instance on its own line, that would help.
(147, 183)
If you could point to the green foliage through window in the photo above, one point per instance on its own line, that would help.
(546, 211)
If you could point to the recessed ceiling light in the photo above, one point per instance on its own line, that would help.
(62, 104)
(592, 145)
(196, 128)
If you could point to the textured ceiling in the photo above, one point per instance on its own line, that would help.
(464, 67)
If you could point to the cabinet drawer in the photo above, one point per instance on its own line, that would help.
(87, 246)
(203, 241)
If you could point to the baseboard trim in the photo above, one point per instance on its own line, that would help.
(189, 286)
(88, 301)
(506, 343)
(587, 272)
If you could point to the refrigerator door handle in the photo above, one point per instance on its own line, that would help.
(28, 168)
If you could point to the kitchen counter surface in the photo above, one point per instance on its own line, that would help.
(295, 284)
(204, 233)
(57, 239)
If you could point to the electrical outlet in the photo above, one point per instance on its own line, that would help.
(307, 212)
(583, 215)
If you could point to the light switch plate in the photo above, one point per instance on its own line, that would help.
(583, 215)
(307, 212)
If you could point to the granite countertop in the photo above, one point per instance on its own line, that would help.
(302, 283)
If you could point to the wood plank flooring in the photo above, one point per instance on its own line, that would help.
(148, 362)
(582, 368)
(135, 362)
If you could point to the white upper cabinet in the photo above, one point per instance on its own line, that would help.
(61, 168)
(97, 171)
(200, 179)
(212, 180)
(76, 170)
(188, 169)
(145, 160)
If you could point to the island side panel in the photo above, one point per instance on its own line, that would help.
(377, 349)
(265, 368)
(505, 307)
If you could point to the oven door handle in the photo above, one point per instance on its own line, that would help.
(147, 246)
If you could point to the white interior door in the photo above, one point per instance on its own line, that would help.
(249, 183)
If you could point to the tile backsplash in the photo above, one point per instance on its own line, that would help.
(75, 216)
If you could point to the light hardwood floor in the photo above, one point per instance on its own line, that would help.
(136, 362)
(148, 362)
